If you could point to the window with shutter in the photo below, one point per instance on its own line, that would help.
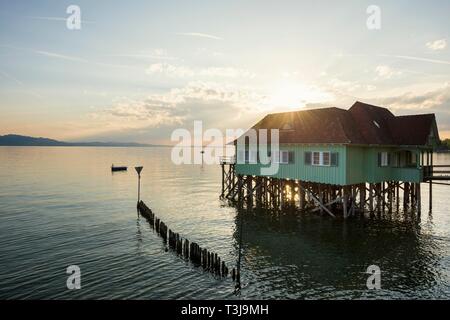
(276, 157)
(284, 155)
(383, 159)
(291, 157)
(316, 158)
(334, 159)
(308, 158)
(394, 160)
(325, 158)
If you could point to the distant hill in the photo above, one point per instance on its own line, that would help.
(18, 140)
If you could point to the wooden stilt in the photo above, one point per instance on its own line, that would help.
(362, 196)
(378, 195)
(419, 199)
(302, 199)
(345, 202)
(390, 195)
(397, 197)
(431, 182)
(405, 195)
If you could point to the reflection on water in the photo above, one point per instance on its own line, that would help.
(309, 257)
(62, 206)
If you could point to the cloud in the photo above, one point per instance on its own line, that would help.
(217, 105)
(198, 34)
(158, 54)
(397, 57)
(55, 19)
(170, 70)
(20, 84)
(7, 75)
(386, 72)
(429, 100)
(437, 45)
(341, 86)
(185, 72)
(60, 56)
(435, 101)
(415, 59)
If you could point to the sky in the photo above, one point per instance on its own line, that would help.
(137, 70)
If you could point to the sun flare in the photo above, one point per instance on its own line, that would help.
(295, 95)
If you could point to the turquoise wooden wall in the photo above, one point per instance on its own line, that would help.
(362, 166)
(298, 170)
(356, 164)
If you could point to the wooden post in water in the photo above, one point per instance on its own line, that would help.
(397, 197)
(345, 202)
(301, 191)
(138, 170)
(371, 197)
(362, 196)
(390, 195)
(405, 195)
(240, 190)
(378, 193)
(223, 178)
(431, 181)
(419, 199)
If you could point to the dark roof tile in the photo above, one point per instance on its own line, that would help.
(361, 124)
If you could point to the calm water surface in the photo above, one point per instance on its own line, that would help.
(62, 205)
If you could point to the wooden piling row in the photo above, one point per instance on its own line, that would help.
(280, 194)
(191, 251)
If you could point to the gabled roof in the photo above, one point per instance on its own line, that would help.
(413, 130)
(361, 124)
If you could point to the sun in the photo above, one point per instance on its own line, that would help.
(295, 95)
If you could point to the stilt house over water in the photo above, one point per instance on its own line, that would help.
(332, 158)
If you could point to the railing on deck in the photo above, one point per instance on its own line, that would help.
(436, 172)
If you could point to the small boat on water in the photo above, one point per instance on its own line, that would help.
(118, 168)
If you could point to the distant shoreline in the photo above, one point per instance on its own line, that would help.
(89, 146)
(14, 140)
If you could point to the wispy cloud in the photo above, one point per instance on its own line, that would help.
(141, 56)
(211, 102)
(436, 45)
(154, 54)
(435, 100)
(78, 59)
(386, 72)
(198, 34)
(8, 76)
(55, 19)
(344, 87)
(395, 56)
(60, 56)
(185, 72)
(20, 83)
(415, 59)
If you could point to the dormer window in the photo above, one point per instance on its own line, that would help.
(377, 124)
(287, 126)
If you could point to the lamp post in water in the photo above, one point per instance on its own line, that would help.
(138, 170)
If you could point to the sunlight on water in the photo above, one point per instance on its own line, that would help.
(63, 206)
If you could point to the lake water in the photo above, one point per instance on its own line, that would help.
(62, 206)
